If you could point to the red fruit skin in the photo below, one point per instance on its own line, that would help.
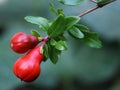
(27, 67)
(22, 42)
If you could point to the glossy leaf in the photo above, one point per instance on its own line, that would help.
(58, 52)
(75, 32)
(61, 37)
(52, 42)
(61, 24)
(91, 39)
(57, 27)
(42, 22)
(71, 20)
(82, 27)
(61, 45)
(53, 55)
(46, 52)
(70, 2)
(35, 33)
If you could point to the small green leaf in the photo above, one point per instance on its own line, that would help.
(54, 58)
(71, 20)
(75, 32)
(70, 2)
(58, 52)
(52, 9)
(52, 42)
(61, 45)
(61, 24)
(57, 27)
(60, 11)
(42, 22)
(46, 52)
(82, 28)
(56, 11)
(104, 2)
(61, 37)
(91, 39)
(35, 33)
(53, 55)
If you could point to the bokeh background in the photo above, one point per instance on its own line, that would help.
(80, 67)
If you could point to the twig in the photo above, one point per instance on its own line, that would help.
(88, 11)
(95, 7)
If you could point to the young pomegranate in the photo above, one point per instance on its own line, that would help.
(27, 67)
(22, 42)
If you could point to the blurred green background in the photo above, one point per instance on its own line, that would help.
(80, 67)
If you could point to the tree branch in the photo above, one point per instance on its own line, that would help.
(95, 7)
(88, 11)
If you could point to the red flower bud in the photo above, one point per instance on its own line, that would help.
(27, 67)
(21, 42)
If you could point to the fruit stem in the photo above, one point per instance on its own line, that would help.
(40, 39)
(44, 40)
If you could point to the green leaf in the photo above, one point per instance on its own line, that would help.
(56, 11)
(58, 38)
(82, 28)
(53, 55)
(52, 9)
(70, 2)
(104, 2)
(60, 11)
(58, 52)
(57, 27)
(75, 32)
(71, 20)
(61, 24)
(35, 33)
(52, 42)
(61, 45)
(61, 37)
(42, 22)
(46, 52)
(91, 39)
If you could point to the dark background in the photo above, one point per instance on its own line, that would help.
(80, 67)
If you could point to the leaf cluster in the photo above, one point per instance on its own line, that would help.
(56, 28)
